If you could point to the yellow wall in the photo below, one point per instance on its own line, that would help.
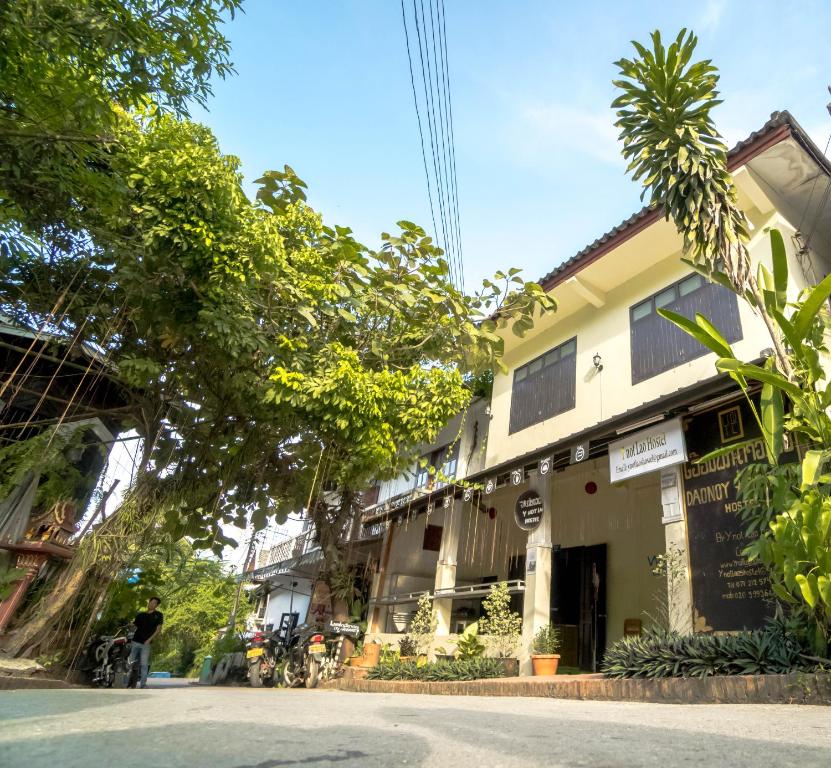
(625, 517)
(634, 271)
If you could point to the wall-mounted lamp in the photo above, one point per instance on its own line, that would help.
(597, 362)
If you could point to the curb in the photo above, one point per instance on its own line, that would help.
(795, 688)
(18, 682)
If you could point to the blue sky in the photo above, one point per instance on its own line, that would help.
(324, 86)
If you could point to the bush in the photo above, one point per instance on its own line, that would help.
(460, 669)
(661, 654)
(502, 624)
(407, 646)
(469, 645)
(547, 640)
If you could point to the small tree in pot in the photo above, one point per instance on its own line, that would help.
(502, 626)
(544, 656)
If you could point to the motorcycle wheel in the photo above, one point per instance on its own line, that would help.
(291, 674)
(312, 673)
(254, 674)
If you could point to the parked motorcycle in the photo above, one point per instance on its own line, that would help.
(263, 651)
(107, 661)
(313, 655)
(306, 653)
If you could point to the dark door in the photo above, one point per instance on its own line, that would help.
(578, 602)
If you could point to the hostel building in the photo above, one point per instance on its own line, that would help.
(586, 499)
(586, 483)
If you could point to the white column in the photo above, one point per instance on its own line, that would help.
(536, 611)
(679, 588)
(446, 567)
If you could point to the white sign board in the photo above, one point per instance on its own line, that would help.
(649, 450)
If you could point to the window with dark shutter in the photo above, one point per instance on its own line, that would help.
(658, 345)
(432, 538)
(544, 387)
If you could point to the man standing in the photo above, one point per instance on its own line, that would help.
(148, 623)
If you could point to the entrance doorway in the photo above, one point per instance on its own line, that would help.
(578, 603)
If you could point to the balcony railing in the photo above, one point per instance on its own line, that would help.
(304, 549)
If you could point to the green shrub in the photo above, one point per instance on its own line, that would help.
(661, 654)
(407, 646)
(469, 645)
(547, 640)
(460, 669)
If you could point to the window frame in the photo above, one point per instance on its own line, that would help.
(525, 373)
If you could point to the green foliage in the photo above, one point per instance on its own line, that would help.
(547, 640)
(440, 671)
(674, 149)
(407, 646)
(469, 645)
(69, 70)
(197, 597)
(422, 628)
(49, 455)
(500, 623)
(9, 578)
(669, 136)
(660, 654)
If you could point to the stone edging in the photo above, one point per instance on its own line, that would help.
(796, 688)
(19, 682)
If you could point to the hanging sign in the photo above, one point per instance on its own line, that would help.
(517, 476)
(468, 494)
(448, 500)
(649, 450)
(545, 465)
(579, 453)
(529, 509)
(490, 485)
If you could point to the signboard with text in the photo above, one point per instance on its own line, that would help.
(529, 509)
(647, 450)
(729, 593)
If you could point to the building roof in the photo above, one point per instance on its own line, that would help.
(780, 126)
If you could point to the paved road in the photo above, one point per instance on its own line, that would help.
(244, 728)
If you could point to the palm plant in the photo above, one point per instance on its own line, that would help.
(675, 150)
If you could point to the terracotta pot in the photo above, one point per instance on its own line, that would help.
(353, 661)
(511, 666)
(545, 663)
(372, 655)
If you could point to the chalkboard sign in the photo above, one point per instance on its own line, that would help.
(729, 593)
(529, 509)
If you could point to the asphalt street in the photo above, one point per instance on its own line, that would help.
(172, 725)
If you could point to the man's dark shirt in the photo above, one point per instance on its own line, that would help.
(146, 624)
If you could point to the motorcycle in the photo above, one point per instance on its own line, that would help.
(263, 652)
(107, 661)
(314, 654)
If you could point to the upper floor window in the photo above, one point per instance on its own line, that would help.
(544, 387)
(439, 467)
(658, 345)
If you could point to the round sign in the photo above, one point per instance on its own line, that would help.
(529, 509)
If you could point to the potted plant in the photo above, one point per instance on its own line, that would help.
(407, 648)
(469, 645)
(372, 654)
(544, 656)
(502, 626)
(423, 627)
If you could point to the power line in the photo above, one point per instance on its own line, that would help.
(455, 185)
(443, 134)
(424, 53)
(418, 117)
